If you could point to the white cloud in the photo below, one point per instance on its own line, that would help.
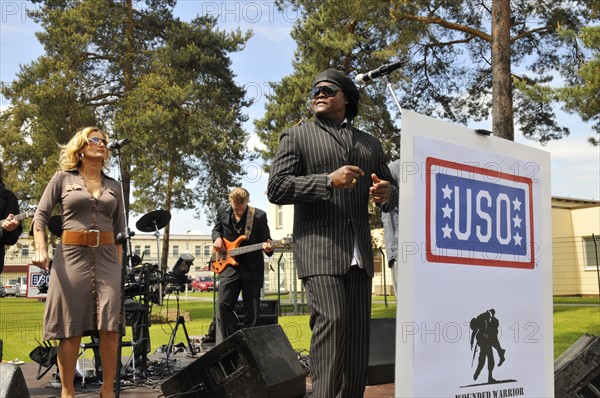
(254, 143)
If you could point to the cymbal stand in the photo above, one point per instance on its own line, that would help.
(157, 237)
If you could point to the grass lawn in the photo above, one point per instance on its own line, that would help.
(571, 322)
(20, 323)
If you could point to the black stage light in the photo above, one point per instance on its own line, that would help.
(182, 266)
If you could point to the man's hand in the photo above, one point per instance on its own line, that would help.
(346, 176)
(10, 224)
(268, 246)
(219, 245)
(380, 190)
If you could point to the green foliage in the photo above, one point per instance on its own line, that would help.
(445, 48)
(189, 110)
(582, 97)
(133, 69)
(331, 34)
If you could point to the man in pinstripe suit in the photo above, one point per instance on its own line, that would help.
(329, 170)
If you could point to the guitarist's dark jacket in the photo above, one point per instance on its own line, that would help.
(251, 265)
(8, 205)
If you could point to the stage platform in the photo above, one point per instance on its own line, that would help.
(149, 388)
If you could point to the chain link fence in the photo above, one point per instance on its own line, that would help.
(576, 273)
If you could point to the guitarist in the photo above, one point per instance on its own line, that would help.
(11, 229)
(247, 277)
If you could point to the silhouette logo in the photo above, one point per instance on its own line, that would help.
(484, 341)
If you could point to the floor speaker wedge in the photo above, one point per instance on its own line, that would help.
(382, 351)
(253, 362)
(12, 382)
(268, 314)
(577, 370)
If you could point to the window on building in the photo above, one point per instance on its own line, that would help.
(137, 250)
(146, 250)
(25, 251)
(591, 252)
(278, 216)
(207, 250)
(175, 250)
(197, 251)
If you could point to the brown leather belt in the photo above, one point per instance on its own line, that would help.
(91, 238)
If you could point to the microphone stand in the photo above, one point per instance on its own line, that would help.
(382, 71)
(125, 239)
(391, 90)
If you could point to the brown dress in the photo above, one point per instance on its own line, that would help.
(84, 293)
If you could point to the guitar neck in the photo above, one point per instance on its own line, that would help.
(245, 249)
(21, 217)
(254, 247)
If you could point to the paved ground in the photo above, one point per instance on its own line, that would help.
(148, 388)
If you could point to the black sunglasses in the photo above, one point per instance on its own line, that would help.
(97, 141)
(327, 91)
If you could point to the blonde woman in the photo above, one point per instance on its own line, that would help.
(84, 297)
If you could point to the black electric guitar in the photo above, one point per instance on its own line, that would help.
(220, 260)
(21, 216)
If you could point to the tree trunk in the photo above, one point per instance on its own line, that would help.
(128, 87)
(129, 51)
(164, 256)
(502, 107)
(167, 233)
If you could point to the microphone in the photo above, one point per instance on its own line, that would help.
(118, 144)
(375, 73)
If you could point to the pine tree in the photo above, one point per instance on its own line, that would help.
(140, 73)
(463, 61)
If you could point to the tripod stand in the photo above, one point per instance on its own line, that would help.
(180, 321)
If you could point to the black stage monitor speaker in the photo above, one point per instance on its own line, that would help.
(577, 370)
(12, 382)
(382, 351)
(253, 362)
(268, 312)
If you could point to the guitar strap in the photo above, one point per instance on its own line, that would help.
(249, 221)
(3, 202)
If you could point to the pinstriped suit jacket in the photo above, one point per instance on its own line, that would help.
(327, 220)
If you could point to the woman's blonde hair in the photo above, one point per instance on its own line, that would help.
(70, 155)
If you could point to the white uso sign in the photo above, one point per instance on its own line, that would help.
(475, 272)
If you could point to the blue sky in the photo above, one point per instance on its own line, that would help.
(267, 58)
